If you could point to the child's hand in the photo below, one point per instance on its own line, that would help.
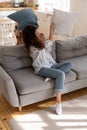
(52, 27)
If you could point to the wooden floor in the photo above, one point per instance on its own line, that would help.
(8, 112)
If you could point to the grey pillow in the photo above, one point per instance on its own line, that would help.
(72, 47)
(14, 57)
(24, 17)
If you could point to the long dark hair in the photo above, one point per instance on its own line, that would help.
(30, 39)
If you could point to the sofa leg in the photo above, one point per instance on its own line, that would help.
(20, 108)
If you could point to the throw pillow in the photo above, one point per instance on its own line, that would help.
(64, 22)
(24, 17)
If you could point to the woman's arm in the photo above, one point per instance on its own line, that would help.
(18, 35)
(51, 33)
(49, 42)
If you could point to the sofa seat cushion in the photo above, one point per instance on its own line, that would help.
(27, 82)
(71, 76)
(79, 66)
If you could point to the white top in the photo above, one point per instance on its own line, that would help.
(42, 58)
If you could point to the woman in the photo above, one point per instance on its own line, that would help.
(39, 49)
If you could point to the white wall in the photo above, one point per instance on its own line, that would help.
(80, 6)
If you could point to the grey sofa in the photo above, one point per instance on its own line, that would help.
(22, 87)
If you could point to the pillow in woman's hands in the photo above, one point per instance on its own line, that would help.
(24, 17)
(64, 22)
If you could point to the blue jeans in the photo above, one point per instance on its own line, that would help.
(57, 72)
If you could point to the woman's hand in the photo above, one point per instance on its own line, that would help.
(52, 27)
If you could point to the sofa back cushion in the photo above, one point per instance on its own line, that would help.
(14, 57)
(70, 48)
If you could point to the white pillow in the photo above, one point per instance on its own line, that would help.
(64, 22)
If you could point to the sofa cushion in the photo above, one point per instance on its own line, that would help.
(71, 76)
(71, 47)
(27, 81)
(79, 66)
(14, 58)
(24, 17)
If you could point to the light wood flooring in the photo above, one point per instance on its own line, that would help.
(8, 112)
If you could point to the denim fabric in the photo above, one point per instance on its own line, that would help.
(64, 66)
(57, 72)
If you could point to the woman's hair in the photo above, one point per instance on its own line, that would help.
(30, 38)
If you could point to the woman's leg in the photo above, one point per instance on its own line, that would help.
(58, 97)
(59, 77)
(56, 74)
(64, 66)
(58, 104)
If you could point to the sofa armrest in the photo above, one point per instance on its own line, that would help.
(7, 88)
